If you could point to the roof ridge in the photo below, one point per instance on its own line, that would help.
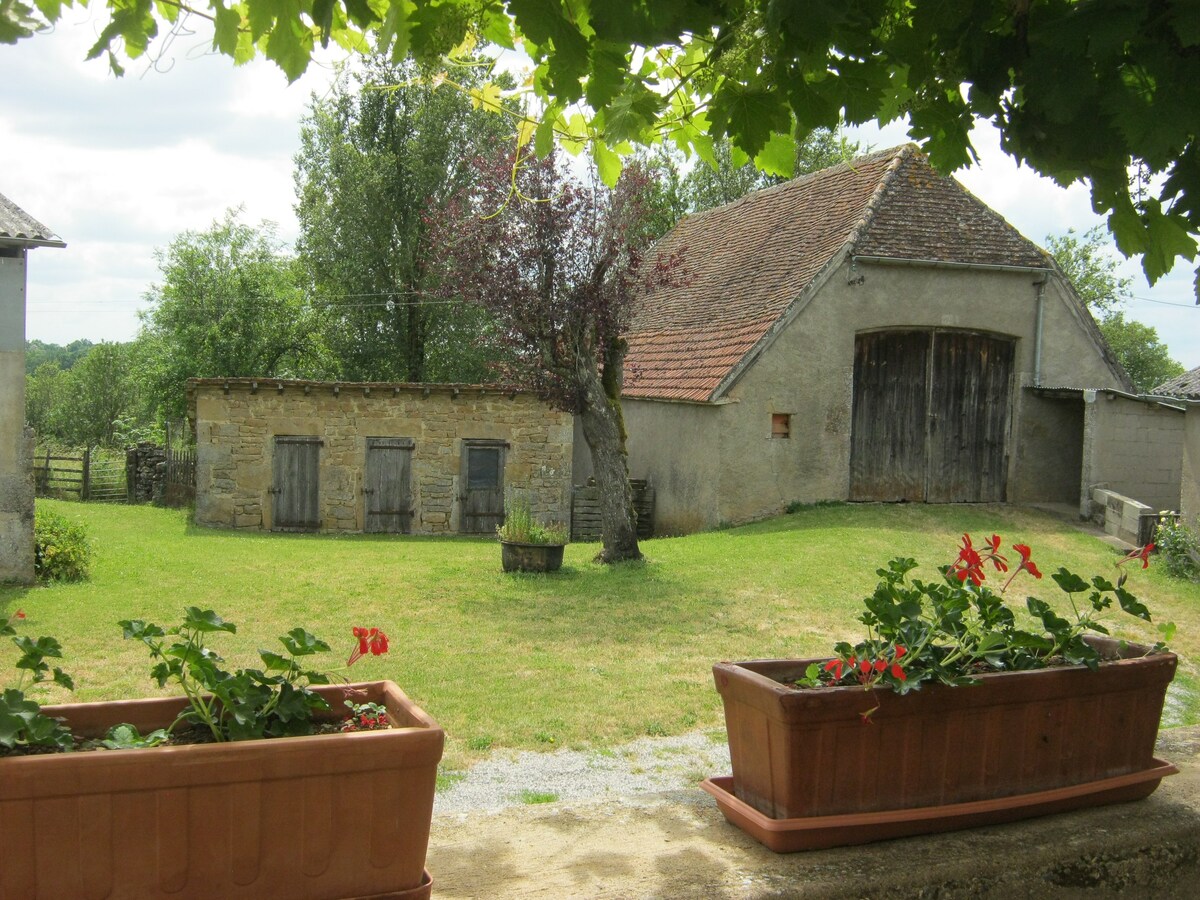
(872, 205)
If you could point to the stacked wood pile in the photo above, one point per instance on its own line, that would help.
(585, 509)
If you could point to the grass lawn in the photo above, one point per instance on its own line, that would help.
(593, 656)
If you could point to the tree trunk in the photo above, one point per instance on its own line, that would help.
(604, 429)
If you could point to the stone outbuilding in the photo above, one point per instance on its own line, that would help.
(871, 331)
(292, 455)
(19, 233)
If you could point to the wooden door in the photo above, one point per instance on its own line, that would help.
(968, 424)
(387, 488)
(930, 416)
(481, 486)
(295, 483)
(887, 443)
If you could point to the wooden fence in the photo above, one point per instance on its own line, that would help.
(84, 475)
(585, 510)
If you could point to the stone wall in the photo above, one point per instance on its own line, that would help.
(1133, 447)
(237, 421)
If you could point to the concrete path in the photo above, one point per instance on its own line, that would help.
(678, 845)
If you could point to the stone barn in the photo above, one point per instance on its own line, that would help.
(289, 455)
(868, 332)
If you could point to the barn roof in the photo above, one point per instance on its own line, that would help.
(1186, 385)
(19, 228)
(743, 265)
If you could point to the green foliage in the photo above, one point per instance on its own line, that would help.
(380, 158)
(127, 737)
(953, 629)
(1137, 346)
(239, 705)
(39, 353)
(231, 304)
(22, 722)
(61, 548)
(520, 526)
(1087, 262)
(1179, 547)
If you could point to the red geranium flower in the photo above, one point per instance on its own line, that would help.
(1142, 553)
(370, 640)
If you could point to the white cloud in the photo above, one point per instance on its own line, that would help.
(118, 167)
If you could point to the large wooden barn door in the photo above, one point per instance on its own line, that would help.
(387, 492)
(295, 483)
(888, 430)
(930, 417)
(481, 486)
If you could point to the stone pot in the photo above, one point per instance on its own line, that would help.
(519, 557)
(329, 816)
(802, 755)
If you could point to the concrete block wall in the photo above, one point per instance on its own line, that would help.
(1133, 447)
(1189, 502)
(237, 420)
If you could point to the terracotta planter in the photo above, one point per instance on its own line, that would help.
(518, 557)
(805, 754)
(329, 816)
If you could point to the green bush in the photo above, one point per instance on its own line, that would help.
(62, 551)
(1180, 549)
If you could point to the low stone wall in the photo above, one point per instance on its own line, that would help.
(145, 472)
(237, 422)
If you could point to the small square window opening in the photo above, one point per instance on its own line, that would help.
(781, 425)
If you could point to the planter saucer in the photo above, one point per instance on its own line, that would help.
(823, 832)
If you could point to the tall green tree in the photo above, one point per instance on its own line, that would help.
(1087, 260)
(1145, 357)
(46, 392)
(231, 303)
(1097, 91)
(379, 160)
(101, 391)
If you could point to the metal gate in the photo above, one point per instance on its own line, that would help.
(295, 483)
(481, 486)
(931, 416)
(387, 491)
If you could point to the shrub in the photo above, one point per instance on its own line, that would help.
(1180, 549)
(62, 551)
(520, 527)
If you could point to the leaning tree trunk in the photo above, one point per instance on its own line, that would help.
(604, 429)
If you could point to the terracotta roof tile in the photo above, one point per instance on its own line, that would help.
(742, 265)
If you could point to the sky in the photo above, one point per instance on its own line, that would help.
(117, 167)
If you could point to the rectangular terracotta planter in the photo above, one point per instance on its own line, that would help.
(326, 816)
(808, 753)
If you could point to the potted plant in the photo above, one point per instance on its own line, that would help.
(284, 794)
(526, 545)
(949, 714)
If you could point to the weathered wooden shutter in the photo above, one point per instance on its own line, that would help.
(481, 485)
(296, 487)
(387, 491)
(887, 445)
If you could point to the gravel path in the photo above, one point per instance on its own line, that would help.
(647, 766)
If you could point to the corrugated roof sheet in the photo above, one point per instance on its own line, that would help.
(742, 265)
(18, 227)
(1185, 385)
